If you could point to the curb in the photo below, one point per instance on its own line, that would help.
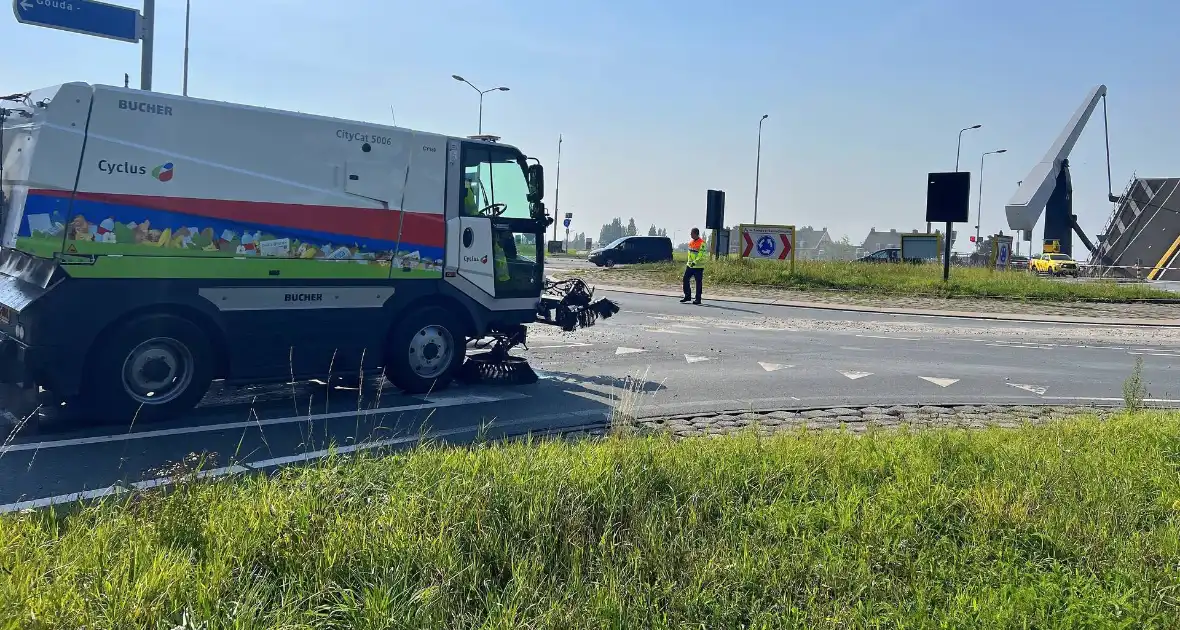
(1009, 317)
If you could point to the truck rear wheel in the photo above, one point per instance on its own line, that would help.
(151, 368)
(426, 348)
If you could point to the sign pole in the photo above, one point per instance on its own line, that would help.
(946, 253)
(147, 44)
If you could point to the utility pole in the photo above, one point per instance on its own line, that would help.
(557, 190)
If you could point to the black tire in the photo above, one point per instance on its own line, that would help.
(166, 347)
(416, 378)
(609, 263)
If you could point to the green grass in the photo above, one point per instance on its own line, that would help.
(903, 280)
(1068, 525)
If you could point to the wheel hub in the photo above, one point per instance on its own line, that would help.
(431, 351)
(157, 371)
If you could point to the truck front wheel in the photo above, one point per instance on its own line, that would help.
(426, 348)
(151, 368)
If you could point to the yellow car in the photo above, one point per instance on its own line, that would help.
(1053, 264)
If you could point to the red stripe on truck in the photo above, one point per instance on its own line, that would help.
(421, 228)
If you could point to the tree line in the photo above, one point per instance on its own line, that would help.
(616, 230)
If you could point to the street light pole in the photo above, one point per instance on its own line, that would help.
(758, 166)
(188, 7)
(958, 148)
(557, 189)
(481, 93)
(979, 200)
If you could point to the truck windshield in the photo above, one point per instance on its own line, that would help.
(494, 182)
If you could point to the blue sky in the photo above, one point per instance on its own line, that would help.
(659, 101)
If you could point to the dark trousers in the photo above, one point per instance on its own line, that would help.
(697, 274)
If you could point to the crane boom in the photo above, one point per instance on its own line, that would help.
(1025, 207)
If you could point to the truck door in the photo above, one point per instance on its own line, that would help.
(495, 239)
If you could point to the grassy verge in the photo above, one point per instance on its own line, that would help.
(904, 280)
(1068, 525)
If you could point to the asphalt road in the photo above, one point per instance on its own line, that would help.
(657, 356)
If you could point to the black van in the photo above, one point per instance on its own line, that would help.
(633, 249)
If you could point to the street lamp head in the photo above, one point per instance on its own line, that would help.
(502, 89)
(975, 127)
(458, 78)
(765, 116)
(1002, 151)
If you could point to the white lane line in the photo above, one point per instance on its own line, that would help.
(1036, 389)
(289, 459)
(855, 375)
(685, 326)
(561, 345)
(433, 402)
(893, 338)
(774, 367)
(941, 382)
(33, 504)
(1154, 354)
(692, 358)
(666, 331)
(622, 350)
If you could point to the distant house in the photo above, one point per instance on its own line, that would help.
(881, 240)
(813, 244)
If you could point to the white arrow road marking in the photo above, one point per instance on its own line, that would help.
(941, 382)
(1036, 389)
(774, 367)
(691, 358)
(856, 375)
(622, 350)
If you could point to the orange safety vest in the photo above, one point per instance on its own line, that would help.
(696, 253)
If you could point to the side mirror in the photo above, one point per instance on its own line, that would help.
(536, 175)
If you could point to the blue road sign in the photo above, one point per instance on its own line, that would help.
(567, 222)
(81, 16)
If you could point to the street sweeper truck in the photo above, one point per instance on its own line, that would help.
(154, 243)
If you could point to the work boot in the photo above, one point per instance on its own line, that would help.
(697, 301)
(685, 300)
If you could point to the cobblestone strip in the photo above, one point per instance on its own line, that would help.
(861, 419)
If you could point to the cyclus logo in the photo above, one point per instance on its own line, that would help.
(163, 172)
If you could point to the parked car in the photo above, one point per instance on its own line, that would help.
(1054, 264)
(632, 250)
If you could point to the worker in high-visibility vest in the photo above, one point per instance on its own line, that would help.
(695, 269)
(500, 261)
(469, 199)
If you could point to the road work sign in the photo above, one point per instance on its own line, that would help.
(1001, 251)
(768, 242)
(1051, 246)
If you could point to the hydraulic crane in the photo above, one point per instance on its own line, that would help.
(1048, 186)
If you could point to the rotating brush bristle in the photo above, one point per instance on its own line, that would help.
(509, 370)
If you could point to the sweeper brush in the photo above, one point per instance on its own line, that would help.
(568, 304)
